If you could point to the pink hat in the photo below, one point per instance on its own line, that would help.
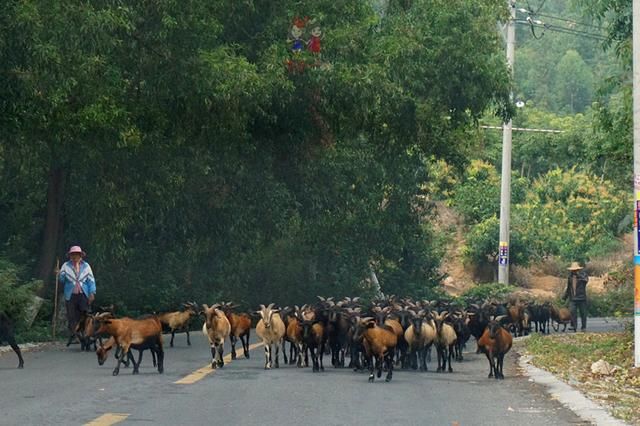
(76, 249)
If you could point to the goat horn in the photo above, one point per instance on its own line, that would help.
(270, 305)
(262, 307)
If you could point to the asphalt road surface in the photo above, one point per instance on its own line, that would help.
(64, 386)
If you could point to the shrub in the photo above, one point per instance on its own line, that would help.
(487, 291)
(618, 300)
(15, 295)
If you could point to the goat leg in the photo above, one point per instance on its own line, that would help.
(220, 352)
(116, 371)
(321, 355)
(12, 342)
(133, 361)
(188, 339)
(245, 343)
(389, 357)
(267, 356)
(233, 340)
(371, 367)
(499, 365)
(293, 353)
(173, 334)
(278, 353)
(489, 355)
(213, 356)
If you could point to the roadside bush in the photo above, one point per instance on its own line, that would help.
(618, 300)
(15, 295)
(487, 291)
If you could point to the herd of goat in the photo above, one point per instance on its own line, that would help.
(378, 336)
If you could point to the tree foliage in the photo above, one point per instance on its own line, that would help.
(568, 214)
(171, 140)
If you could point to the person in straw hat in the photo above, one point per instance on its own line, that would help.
(576, 293)
(79, 286)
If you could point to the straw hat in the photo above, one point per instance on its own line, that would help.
(575, 266)
(76, 249)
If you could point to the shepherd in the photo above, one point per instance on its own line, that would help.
(576, 293)
(79, 287)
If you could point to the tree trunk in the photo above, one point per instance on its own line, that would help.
(52, 228)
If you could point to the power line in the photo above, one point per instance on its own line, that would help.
(530, 20)
(523, 129)
(571, 21)
(556, 28)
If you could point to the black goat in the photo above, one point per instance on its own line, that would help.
(7, 335)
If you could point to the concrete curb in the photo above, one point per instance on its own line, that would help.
(568, 396)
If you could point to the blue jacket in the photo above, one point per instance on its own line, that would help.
(68, 278)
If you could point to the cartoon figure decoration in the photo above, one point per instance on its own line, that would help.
(297, 30)
(314, 41)
(298, 44)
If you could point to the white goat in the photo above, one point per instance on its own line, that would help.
(271, 330)
(445, 340)
(420, 335)
(217, 328)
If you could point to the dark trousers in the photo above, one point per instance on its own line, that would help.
(75, 307)
(574, 306)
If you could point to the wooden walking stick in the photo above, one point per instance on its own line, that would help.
(55, 301)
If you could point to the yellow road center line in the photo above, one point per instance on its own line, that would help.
(107, 419)
(200, 373)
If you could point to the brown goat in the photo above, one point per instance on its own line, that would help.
(313, 339)
(217, 328)
(560, 315)
(495, 342)
(179, 320)
(240, 328)
(103, 352)
(516, 316)
(294, 335)
(379, 343)
(143, 333)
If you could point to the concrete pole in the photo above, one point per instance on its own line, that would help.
(636, 177)
(505, 191)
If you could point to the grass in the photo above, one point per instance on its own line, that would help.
(570, 356)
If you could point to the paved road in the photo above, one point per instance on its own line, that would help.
(66, 386)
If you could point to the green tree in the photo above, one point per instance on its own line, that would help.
(574, 83)
(191, 162)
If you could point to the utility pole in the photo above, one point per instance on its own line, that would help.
(505, 191)
(636, 178)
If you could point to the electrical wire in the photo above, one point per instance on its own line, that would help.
(568, 20)
(572, 31)
(558, 28)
